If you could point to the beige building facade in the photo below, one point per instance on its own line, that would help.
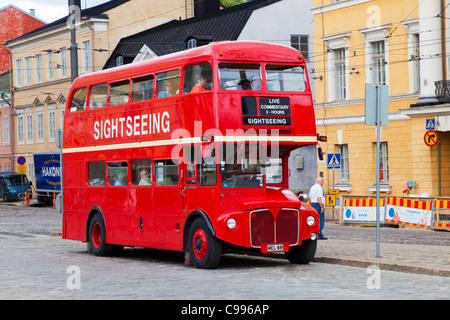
(395, 43)
(41, 65)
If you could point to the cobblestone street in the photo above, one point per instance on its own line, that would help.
(38, 264)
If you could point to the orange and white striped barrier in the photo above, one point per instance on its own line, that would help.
(409, 212)
(441, 206)
(361, 210)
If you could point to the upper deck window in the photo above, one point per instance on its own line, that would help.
(98, 96)
(168, 83)
(240, 76)
(142, 88)
(285, 78)
(119, 92)
(198, 78)
(79, 100)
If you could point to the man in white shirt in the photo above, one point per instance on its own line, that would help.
(317, 197)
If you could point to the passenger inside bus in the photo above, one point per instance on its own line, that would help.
(168, 90)
(202, 84)
(122, 179)
(245, 84)
(145, 178)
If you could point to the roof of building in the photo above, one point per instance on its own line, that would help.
(23, 11)
(93, 12)
(226, 24)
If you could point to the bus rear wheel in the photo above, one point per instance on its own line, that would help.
(97, 236)
(302, 254)
(205, 249)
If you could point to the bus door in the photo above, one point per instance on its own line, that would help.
(189, 181)
(167, 204)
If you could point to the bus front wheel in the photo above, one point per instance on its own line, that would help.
(304, 253)
(205, 249)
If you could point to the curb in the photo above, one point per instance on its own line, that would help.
(383, 266)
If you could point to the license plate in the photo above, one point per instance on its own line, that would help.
(275, 247)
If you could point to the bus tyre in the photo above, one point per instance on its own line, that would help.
(302, 254)
(205, 249)
(97, 236)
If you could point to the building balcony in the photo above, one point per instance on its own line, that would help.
(442, 90)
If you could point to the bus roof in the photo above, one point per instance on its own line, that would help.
(223, 50)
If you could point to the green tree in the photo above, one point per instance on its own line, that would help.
(230, 3)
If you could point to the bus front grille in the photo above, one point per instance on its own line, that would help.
(274, 226)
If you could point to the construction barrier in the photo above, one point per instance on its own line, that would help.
(430, 213)
(361, 210)
(442, 214)
(410, 212)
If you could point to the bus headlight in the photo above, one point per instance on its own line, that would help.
(310, 221)
(231, 223)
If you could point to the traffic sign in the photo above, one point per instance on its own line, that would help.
(21, 160)
(330, 200)
(431, 138)
(430, 124)
(334, 161)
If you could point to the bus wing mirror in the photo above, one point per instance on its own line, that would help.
(320, 153)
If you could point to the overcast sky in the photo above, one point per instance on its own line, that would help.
(48, 10)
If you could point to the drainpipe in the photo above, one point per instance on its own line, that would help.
(11, 110)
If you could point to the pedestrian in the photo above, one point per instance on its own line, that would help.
(317, 198)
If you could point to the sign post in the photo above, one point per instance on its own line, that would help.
(377, 113)
(333, 162)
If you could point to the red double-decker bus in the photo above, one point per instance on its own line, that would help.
(189, 152)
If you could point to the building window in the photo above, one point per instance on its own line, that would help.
(27, 70)
(62, 64)
(38, 66)
(20, 129)
(86, 52)
(415, 61)
(192, 43)
(52, 125)
(19, 73)
(29, 120)
(383, 171)
(40, 127)
(343, 173)
(378, 62)
(119, 61)
(300, 42)
(50, 65)
(6, 131)
(340, 76)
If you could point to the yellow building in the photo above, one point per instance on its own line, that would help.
(394, 43)
(42, 68)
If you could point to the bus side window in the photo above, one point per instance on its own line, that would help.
(118, 173)
(166, 172)
(78, 102)
(96, 173)
(141, 172)
(197, 78)
(168, 83)
(119, 92)
(98, 96)
(142, 88)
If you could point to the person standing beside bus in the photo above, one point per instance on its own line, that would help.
(317, 197)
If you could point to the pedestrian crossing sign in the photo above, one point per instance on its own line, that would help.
(334, 161)
(430, 124)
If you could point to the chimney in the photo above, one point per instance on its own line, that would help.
(33, 12)
(206, 7)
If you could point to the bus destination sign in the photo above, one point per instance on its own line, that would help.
(274, 106)
(273, 111)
